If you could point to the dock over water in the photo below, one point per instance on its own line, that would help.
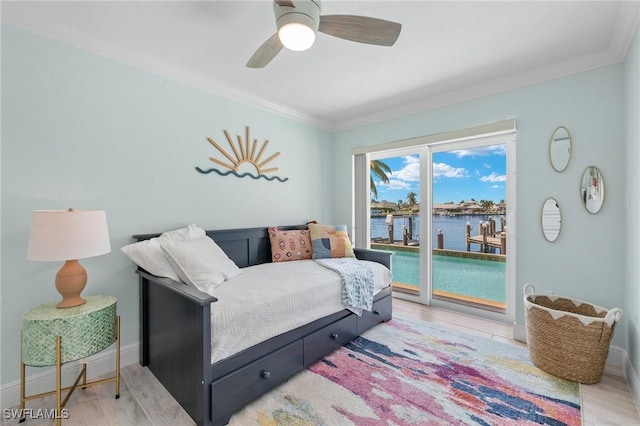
(488, 237)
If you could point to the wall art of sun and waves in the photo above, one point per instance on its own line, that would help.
(245, 155)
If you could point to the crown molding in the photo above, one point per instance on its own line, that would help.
(432, 99)
(627, 24)
(33, 21)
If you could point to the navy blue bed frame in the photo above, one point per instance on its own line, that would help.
(175, 335)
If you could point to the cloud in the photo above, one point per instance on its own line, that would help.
(403, 179)
(482, 151)
(394, 184)
(494, 177)
(445, 170)
(410, 172)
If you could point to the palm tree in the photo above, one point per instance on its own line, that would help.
(487, 205)
(411, 199)
(379, 169)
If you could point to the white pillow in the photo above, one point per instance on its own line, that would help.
(149, 255)
(191, 232)
(200, 262)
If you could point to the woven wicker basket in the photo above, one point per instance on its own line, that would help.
(568, 338)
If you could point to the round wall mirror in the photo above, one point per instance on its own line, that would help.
(560, 149)
(592, 189)
(551, 219)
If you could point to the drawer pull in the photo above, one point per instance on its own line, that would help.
(376, 312)
(265, 374)
(334, 336)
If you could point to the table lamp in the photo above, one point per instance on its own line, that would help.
(68, 235)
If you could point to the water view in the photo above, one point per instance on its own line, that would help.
(467, 270)
(453, 228)
(454, 276)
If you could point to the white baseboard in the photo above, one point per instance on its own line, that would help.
(632, 379)
(99, 364)
(519, 333)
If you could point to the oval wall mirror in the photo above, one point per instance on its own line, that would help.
(551, 219)
(560, 149)
(592, 189)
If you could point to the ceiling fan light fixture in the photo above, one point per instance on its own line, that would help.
(297, 37)
(297, 31)
(298, 21)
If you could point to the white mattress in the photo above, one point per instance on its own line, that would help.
(269, 299)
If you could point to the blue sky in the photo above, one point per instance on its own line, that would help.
(478, 173)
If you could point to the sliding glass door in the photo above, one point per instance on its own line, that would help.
(468, 224)
(395, 215)
(445, 210)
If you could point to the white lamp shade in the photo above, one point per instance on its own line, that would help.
(68, 234)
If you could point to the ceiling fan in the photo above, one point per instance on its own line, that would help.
(298, 21)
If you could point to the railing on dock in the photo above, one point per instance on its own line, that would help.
(488, 237)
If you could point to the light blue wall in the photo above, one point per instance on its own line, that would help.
(83, 131)
(587, 261)
(632, 224)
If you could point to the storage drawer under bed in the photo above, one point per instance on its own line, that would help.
(329, 338)
(256, 378)
(381, 311)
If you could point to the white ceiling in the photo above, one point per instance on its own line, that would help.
(447, 50)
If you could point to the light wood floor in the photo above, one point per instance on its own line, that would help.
(144, 402)
(606, 403)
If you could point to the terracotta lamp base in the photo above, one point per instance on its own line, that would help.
(70, 281)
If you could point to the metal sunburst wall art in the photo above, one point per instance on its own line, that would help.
(245, 154)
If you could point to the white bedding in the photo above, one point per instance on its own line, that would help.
(269, 299)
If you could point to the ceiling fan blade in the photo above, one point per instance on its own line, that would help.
(361, 29)
(288, 3)
(266, 52)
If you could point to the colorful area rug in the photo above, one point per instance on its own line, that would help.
(411, 372)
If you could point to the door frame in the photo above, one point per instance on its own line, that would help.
(488, 134)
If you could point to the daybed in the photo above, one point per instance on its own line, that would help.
(176, 335)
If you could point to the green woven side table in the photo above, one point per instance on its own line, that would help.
(53, 336)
